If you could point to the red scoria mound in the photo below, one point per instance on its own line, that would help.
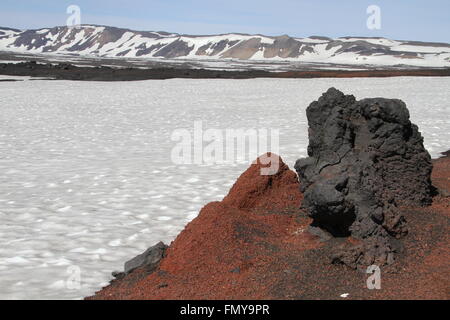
(255, 244)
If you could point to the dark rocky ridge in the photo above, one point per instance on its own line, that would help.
(365, 159)
(67, 71)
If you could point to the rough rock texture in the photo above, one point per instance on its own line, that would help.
(150, 258)
(365, 159)
(148, 261)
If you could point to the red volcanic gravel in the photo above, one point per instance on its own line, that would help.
(255, 245)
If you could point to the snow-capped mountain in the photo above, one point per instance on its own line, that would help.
(111, 42)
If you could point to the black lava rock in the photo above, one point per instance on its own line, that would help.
(365, 159)
(149, 259)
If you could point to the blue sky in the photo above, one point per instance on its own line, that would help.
(426, 20)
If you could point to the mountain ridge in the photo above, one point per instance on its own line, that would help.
(315, 36)
(114, 42)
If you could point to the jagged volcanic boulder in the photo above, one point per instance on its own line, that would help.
(365, 159)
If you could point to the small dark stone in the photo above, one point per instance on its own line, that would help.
(236, 270)
(150, 258)
(162, 273)
(118, 275)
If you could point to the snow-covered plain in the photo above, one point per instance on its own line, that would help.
(86, 178)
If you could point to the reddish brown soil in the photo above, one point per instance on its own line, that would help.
(254, 245)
